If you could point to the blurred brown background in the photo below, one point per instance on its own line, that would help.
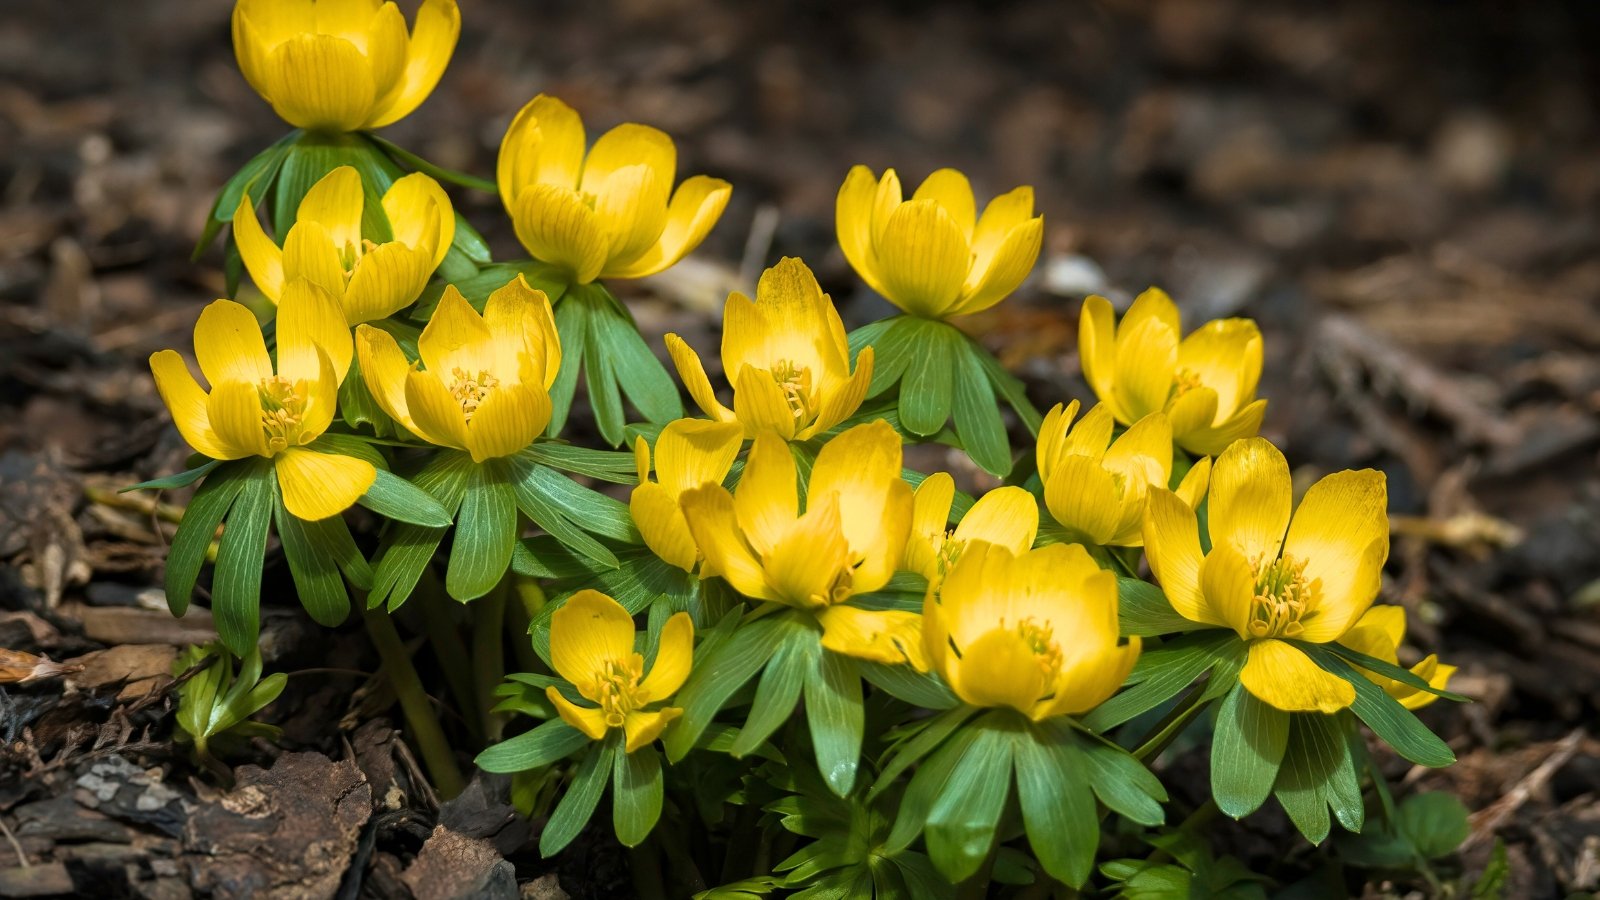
(1404, 194)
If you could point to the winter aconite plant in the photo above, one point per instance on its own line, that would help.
(774, 653)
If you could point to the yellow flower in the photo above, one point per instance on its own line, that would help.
(689, 453)
(371, 280)
(1379, 634)
(484, 381)
(1035, 631)
(787, 356)
(1270, 579)
(607, 214)
(1096, 487)
(1205, 383)
(932, 255)
(848, 541)
(1007, 516)
(253, 411)
(591, 645)
(343, 65)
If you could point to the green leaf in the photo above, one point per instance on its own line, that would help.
(312, 156)
(579, 801)
(1011, 389)
(836, 718)
(1249, 745)
(1143, 610)
(1121, 782)
(403, 554)
(438, 173)
(977, 416)
(605, 397)
(589, 509)
(572, 326)
(639, 371)
(891, 341)
(1383, 714)
(196, 529)
(1058, 807)
(357, 406)
(961, 823)
(905, 683)
(551, 741)
(1390, 670)
(636, 791)
(926, 786)
(1434, 822)
(535, 503)
(256, 177)
(309, 548)
(396, 498)
(617, 467)
(1161, 673)
(927, 388)
(1318, 772)
(486, 533)
(928, 737)
(170, 482)
(241, 555)
(490, 278)
(721, 672)
(779, 689)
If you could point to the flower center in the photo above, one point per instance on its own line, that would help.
(470, 389)
(352, 253)
(795, 383)
(1041, 640)
(616, 688)
(1184, 381)
(1283, 598)
(283, 408)
(842, 588)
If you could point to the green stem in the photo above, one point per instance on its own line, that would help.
(645, 862)
(518, 621)
(1172, 725)
(425, 730)
(489, 655)
(450, 651)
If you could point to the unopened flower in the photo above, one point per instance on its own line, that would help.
(608, 213)
(1006, 516)
(1379, 634)
(371, 280)
(1096, 487)
(483, 381)
(933, 255)
(1271, 579)
(252, 410)
(787, 356)
(1036, 631)
(592, 646)
(689, 453)
(343, 65)
(1205, 383)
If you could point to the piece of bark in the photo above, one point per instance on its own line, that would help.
(129, 625)
(452, 866)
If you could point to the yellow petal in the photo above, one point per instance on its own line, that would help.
(335, 202)
(693, 452)
(891, 637)
(387, 279)
(1341, 532)
(930, 519)
(625, 146)
(510, 418)
(1143, 453)
(1092, 681)
(804, 566)
(558, 227)
(853, 221)
(1281, 676)
(1251, 496)
(1192, 489)
(767, 500)
(228, 345)
(349, 19)
(1226, 356)
(1000, 220)
(319, 82)
(1088, 500)
(789, 322)
(644, 726)
(709, 512)
(1097, 353)
(260, 25)
(379, 31)
(234, 408)
(456, 337)
(587, 632)
(263, 259)
(696, 206)
(693, 375)
(1172, 544)
(1152, 304)
(761, 404)
(885, 202)
(841, 402)
(187, 403)
(1435, 673)
(436, 416)
(862, 466)
(1007, 516)
(923, 258)
(309, 319)
(1052, 444)
(631, 210)
(999, 669)
(587, 719)
(309, 254)
(318, 485)
(674, 656)
(1146, 361)
(520, 328)
(433, 40)
(880, 557)
(951, 190)
(1192, 411)
(997, 275)
(543, 145)
(384, 368)
(662, 525)
(1212, 441)
(420, 216)
(1092, 435)
(322, 399)
(1387, 620)
(1228, 581)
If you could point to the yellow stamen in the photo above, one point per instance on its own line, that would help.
(1041, 639)
(795, 383)
(1283, 597)
(1184, 381)
(283, 407)
(616, 688)
(470, 389)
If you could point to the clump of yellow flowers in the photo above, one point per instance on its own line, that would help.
(745, 603)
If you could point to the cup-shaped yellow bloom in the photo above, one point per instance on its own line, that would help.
(1205, 383)
(1096, 487)
(610, 213)
(1379, 634)
(848, 541)
(933, 255)
(1035, 631)
(1007, 516)
(484, 381)
(1271, 579)
(689, 453)
(343, 65)
(787, 356)
(252, 410)
(592, 646)
(371, 280)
